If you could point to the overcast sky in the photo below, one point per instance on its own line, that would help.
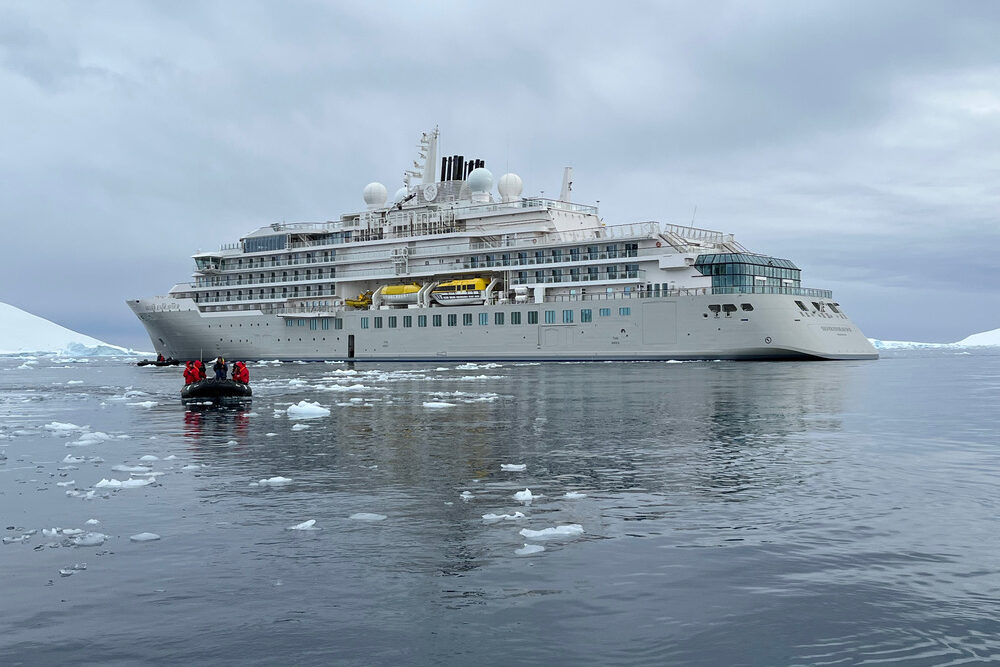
(859, 139)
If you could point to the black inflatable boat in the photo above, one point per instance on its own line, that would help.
(154, 362)
(216, 391)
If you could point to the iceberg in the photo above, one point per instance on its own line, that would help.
(307, 410)
(981, 339)
(572, 530)
(21, 332)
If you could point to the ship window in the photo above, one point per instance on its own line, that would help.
(567, 317)
(378, 322)
(515, 317)
(625, 311)
(833, 307)
(392, 321)
(338, 323)
(728, 308)
(498, 318)
(364, 322)
(484, 319)
(801, 305)
(302, 323)
(453, 320)
(817, 306)
(550, 317)
(312, 324)
(586, 315)
(715, 308)
(605, 312)
(289, 323)
(746, 306)
(421, 320)
(532, 317)
(437, 320)
(407, 321)
(466, 319)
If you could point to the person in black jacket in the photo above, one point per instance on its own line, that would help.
(220, 369)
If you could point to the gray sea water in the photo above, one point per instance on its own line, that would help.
(731, 513)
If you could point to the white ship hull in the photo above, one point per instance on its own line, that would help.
(653, 328)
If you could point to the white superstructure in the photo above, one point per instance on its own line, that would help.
(449, 270)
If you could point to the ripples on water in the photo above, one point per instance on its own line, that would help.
(735, 513)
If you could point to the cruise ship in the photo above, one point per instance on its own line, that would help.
(450, 269)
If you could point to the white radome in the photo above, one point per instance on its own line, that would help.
(400, 195)
(510, 187)
(480, 180)
(375, 195)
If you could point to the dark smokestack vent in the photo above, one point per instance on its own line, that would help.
(444, 163)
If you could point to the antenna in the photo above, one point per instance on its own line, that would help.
(694, 214)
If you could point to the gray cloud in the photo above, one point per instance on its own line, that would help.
(858, 139)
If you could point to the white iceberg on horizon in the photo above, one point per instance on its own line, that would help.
(21, 332)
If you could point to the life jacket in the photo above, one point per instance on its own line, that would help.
(240, 372)
(201, 369)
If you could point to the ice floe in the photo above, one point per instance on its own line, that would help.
(493, 518)
(305, 525)
(90, 540)
(574, 495)
(87, 439)
(571, 530)
(513, 467)
(438, 404)
(300, 427)
(71, 482)
(367, 516)
(529, 549)
(307, 410)
(466, 495)
(149, 457)
(524, 496)
(129, 483)
(275, 481)
(92, 522)
(63, 427)
(145, 404)
(124, 468)
(144, 537)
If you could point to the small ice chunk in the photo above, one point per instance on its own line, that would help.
(466, 495)
(90, 540)
(438, 404)
(305, 525)
(570, 530)
(493, 518)
(524, 496)
(275, 481)
(129, 483)
(145, 404)
(529, 549)
(74, 382)
(149, 457)
(92, 522)
(270, 435)
(513, 467)
(72, 459)
(71, 482)
(367, 516)
(574, 495)
(193, 466)
(50, 532)
(300, 427)
(144, 537)
(307, 410)
(125, 468)
(64, 572)
(171, 457)
(72, 531)
(62, 427)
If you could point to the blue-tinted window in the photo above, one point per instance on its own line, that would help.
(567, 317)
(467, 319)
(484, 319)
(625, 311)
(498, 318)
(421, 320)
(452, 320)
(378, 322)
(550, 317)
(586, 315)
(605, 312)
(515, 317)
(364, 322)
(532, 317)
(407, 321)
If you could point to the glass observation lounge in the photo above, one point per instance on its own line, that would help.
(748, 272)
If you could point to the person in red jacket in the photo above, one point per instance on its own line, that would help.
(190, 373)
(202, 373)
(241, 373)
